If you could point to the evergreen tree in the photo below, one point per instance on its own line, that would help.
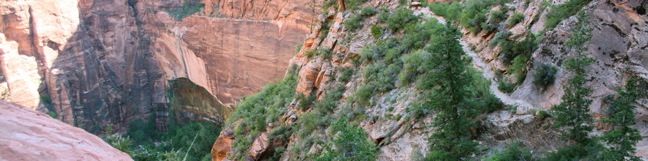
(449, 98)
(572, 114)
(622, 138)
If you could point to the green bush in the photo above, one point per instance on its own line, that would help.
(350, 142)
(400, 18)
(511, 49)
(345, 75)
(353, 4)
(354, 22)
(545, 75)
(497, 16)
(560, 12)
(376, 31)
(451, 11)
(413, 66)
(515, 152)
(322, 52)
(305, 101)
(188, 8)
(368, 11)
(519, 68)
(515, 19)
(505, 86)
(364, 93)
(500, 37)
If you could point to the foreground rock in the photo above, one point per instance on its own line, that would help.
(29, 135)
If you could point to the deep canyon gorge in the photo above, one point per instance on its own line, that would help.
(324, 80)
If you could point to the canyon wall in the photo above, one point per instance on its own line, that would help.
(98, 64)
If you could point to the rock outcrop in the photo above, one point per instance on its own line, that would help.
(30, 135)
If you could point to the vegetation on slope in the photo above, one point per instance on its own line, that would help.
(182, 141)
(560, 12)
(188, 8)
(257, 111)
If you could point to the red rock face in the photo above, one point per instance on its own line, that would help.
(108, 62)
(241, 56)
(30, 135)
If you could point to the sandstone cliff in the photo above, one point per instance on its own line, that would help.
(30, 135)
(104, 63)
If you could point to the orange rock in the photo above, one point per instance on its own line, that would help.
(307, 77)
(29, 135)
(223, 145)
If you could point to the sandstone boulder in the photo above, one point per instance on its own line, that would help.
(28, 135)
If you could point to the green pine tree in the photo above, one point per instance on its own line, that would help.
(449, 98)
(622, 138)
(572, 114)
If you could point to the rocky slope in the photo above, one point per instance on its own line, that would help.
(96, 64)
(303, 131)
(30, 135)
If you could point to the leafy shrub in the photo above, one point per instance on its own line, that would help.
(355, 21)
(124, 144)
(518, 68)
(201, 134)
(401, 17)
(497, 16)
(368, 11)
(451, 11)
(505, 86)
(324, 53)
(345, 75)
(364, 93)
(188, 8)
(350, 142)
(376, 31)
(154, 145)
(305, 101)
(515, 19)
(514, 152)
(500, 37)
(308, 122)
(353, 4)
(560, 12)
(413, 66)
(511, 49)
(545, 75)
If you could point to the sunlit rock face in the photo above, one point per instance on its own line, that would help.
(103, 63)
(31, 135)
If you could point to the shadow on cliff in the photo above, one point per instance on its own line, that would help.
(106, 75)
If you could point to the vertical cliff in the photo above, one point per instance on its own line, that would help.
(96, 64)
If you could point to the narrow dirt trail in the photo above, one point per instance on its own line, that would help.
(486, 71)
